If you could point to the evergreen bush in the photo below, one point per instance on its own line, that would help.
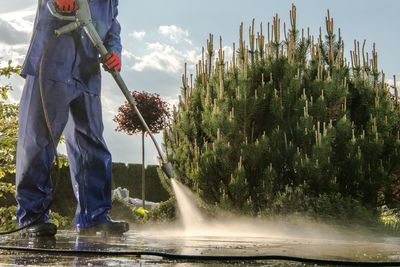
(287, 124)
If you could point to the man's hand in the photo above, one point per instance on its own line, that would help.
(66, 6)
(112, 62)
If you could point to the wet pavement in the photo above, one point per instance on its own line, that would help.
(162, 239)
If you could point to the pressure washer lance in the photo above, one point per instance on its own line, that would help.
(83, 19)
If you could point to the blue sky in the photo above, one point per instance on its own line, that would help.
(159, 36)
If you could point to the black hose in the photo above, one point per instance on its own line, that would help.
(20, 228)
(191, 257)
(51, 134)
(44, 106)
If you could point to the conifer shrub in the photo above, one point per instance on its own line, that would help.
(287, 124)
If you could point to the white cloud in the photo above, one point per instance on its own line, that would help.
(15, 28)
(228, 53)
(172, 101)
(138, 35)
(21, 20)
(163, 57)
(14, 52)
(167, 56)
(10, 35)
(175, 33)
(129, 55)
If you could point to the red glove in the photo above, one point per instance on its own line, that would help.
(66, 6)
(112, 62)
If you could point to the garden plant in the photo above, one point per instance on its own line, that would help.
(288, 124)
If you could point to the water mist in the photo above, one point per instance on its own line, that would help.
(230, 234)
(196, 224)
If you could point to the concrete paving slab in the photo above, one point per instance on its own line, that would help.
(380, 249)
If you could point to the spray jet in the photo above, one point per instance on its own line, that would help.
(83, 19)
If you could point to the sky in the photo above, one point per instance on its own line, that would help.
(160, 36)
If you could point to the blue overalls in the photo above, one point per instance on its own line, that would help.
(72, 83)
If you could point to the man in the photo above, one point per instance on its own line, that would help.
(71, 84)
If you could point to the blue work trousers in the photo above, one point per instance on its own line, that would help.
(72, 107)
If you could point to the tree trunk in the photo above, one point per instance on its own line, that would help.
(143, 174)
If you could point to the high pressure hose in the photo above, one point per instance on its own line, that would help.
(44, 106)
(206, 258)
(51, 135)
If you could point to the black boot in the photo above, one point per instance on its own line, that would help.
(108, 228)
(40, 229)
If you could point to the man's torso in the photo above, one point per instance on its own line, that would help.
(70, 56)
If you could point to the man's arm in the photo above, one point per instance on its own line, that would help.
(113, 39)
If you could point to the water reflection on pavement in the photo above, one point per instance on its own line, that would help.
(380, 249)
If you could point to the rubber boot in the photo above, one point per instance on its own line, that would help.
(40, 229)
(114, 228)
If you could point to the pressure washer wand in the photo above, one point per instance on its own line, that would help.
(83, 19)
